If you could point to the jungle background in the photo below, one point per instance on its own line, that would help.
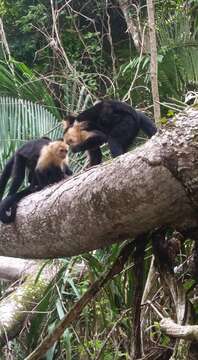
(59, 57)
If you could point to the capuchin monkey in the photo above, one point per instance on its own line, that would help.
(46, 161)
(27, 157)
(109, 121)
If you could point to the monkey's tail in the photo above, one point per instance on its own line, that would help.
(146, 124)
(10, 204)
(5, 175)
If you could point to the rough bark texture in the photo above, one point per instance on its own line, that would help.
(151, 186)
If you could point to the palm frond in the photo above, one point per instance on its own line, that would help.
(22, 120)
(21, 82)
(179, 55)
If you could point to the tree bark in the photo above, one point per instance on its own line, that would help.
(186, 332)
(131, 11)
(138, 279)
(151, 186)
(165, 251)
(153, 66)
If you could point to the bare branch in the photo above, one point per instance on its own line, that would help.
(153, 52)
(187, 332)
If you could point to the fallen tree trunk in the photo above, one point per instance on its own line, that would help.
(12, 268)
(24, 301)
(151, 186)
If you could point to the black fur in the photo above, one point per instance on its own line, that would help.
(113, 122)
(66, 170)
(39, 180)
(26, 157)
(10, 203)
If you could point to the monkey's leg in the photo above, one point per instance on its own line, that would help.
(95, 156)
(115, 148)
(18, 174)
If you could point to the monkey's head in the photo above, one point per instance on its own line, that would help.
(58, 149)
(76, 133)
(52, 154)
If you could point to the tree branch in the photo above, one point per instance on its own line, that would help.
(153, 65)
(187, 332)
(15, 307)
(154, 185)
(13, 268)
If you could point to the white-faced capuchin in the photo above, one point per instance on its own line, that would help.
(109, 121)
(46, 162)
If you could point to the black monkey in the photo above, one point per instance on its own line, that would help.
(25, 157)
(109, 121)
(47, 164)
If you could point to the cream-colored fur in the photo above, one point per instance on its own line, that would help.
(52, 154)
(76, 134)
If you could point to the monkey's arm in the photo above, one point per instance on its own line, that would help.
(95, 156)
(66, 170)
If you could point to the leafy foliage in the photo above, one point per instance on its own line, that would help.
(31, 106)
(21, 120)
(24, 18)
(18, 80)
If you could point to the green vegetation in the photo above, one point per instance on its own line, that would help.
(52, 68)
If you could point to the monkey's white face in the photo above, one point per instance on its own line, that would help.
(59, 149)
(62, 152)
(77, 134)
(52, 154)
